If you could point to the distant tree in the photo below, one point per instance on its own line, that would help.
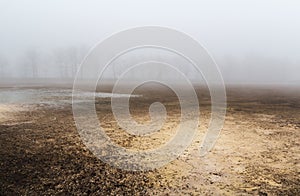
(72, 59)
(69, 59)
(114, 71)
(60, 61)
(82, 52)
(32, 61)
(3, 64)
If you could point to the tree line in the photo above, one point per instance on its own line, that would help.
(35, 63)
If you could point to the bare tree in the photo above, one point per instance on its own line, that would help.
(82, 52)
(75, 56)
(32, 61)
(72, 59)
(3, 64)
(61, 62)
(69, 60)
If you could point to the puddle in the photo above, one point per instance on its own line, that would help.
(49, 96)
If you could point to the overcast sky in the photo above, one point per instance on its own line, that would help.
(232, 28)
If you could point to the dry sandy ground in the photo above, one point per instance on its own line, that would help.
(258, 151)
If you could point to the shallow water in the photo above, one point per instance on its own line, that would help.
(16, 95)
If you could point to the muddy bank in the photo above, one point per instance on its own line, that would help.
(257, 152)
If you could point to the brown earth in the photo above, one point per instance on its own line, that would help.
(258, 151)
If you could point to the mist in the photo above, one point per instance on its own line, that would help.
(149, 97)
(251, 41)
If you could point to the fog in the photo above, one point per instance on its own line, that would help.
(251, 41)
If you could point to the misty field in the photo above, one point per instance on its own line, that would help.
(258, 151)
